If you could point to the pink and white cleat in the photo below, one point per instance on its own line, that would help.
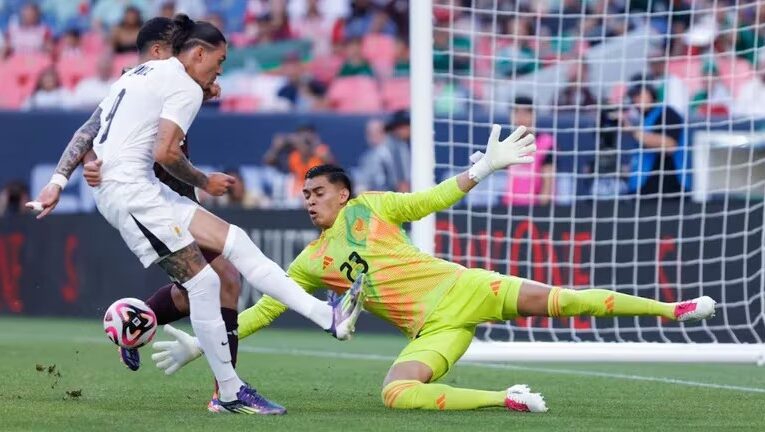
(696, 309)
(520, 398)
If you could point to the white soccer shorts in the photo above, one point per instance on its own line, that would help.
(152, 218)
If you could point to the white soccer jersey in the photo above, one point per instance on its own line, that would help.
(130, 117)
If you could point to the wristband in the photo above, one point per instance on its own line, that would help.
(59, 179)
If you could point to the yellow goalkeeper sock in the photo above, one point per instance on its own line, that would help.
(410, 394)
(604, 303)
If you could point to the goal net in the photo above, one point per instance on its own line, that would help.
(650, 172)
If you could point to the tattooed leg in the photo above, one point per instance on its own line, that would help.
(189, 268)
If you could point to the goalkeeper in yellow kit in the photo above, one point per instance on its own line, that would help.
(435, 303)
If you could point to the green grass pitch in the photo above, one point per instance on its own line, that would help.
(335, 386)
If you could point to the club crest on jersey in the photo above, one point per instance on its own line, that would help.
(357, 225)
(326, 262)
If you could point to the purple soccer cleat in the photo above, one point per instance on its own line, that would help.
(130, 358)
(248, 401)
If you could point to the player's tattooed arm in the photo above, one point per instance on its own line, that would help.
(80, 144)
(169, 154)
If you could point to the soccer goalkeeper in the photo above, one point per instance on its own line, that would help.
(436, 303)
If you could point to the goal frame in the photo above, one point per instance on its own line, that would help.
(423, 236)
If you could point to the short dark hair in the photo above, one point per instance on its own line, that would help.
(334, 175)
(638, 86)
(523, 102)
(189, 34)
(158, 29)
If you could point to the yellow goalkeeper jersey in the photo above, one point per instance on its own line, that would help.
(404, 285)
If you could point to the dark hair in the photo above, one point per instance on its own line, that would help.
(638, 85)
(158, 29)
(132, 9)
(189, 34)
(523, 102)
(334, 174)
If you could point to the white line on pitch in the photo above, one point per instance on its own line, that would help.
(377, 357)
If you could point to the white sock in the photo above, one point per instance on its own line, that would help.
(204, 308)
(267, 277)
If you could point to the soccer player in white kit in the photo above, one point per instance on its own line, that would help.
(144, 119)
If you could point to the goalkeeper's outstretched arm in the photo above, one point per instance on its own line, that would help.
(518, 148)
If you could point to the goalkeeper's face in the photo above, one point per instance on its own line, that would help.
(324, 200)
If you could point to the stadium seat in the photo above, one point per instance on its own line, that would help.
(71, 69)
(396, 94)
(122, 61)
(380, 51)
(240, 104)
(357, 94)
(325, 68)
(93, 43)
(20, 74)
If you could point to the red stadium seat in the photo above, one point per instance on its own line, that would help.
(325, 68)
(122, 61)
(93, 43)
(357, 94)
(241, 104)
(71, 69)
(380, 51)
(20, 73)
(396, 94)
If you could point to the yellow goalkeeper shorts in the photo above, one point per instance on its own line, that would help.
(478, 296)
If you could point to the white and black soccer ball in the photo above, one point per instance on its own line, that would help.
(130, 323)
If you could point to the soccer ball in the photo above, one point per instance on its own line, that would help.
(130, 323)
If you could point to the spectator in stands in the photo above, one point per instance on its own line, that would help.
(367, 18)
(752, 94)
(166, 9)
(297, 152)
(3, 46)
(238, 196)
(315, 26)
(401, 66)
(124, 34)
(355, 63)
(303, 92)
(13, 197)
(108, 13)
(516, 56)
(70, 45)
(195, 9)
(670, 89)
(661, 164)
(91, 91)
(369, 176)
(713, 98)
(450, 55)
(577, 95)
(48, 94)
(530, 184)
(391, 160)
(28, 34)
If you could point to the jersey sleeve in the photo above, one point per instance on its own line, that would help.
(406, 207)
(181, 105)
(267, 309)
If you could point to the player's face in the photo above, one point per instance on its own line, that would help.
(323, 200)
(208, 64)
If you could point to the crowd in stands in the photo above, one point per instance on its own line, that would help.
(704, 59)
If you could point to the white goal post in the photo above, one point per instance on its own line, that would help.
(574, 219)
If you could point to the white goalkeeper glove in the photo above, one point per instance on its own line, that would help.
(513, 150)
(173, 355)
